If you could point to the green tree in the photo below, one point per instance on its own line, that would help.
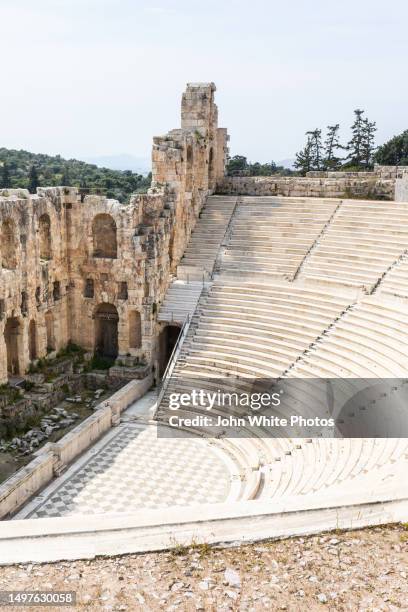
(331, 161)
(5, 181)
(237, 166)
(368, 145)
(394, 152)
(304, 158)
(355, 145)
(65, 180)
(33, 181)
(316, 148)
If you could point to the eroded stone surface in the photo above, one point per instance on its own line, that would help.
(93, 271)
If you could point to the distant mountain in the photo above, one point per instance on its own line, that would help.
(123, 161)
(287, 163)
(22, 169)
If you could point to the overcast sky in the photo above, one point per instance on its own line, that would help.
(95, 77)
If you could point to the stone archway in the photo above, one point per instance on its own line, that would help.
(106, 330)
(189, 168)
(11, 336)
(211, 165)
(32, 340)
(167, 341)
(49, 327)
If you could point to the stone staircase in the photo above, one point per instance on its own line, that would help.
(395, 281)
(269, 237)
(251, 324)
(180, 301)
(208, 235)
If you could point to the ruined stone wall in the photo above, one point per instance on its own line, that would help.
(94, 271)
(33, 278)
(190, 161)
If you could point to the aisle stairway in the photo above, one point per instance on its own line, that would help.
(251, 324)
(180, 301)
(270, 237)
(364, 239)
(395, 282)
(206, 239)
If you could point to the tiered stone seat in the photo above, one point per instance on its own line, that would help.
(396, 280)
(257, 330)
(209, 233)
(271, 236)
(369, 341)
(361, 242)
(252, 325)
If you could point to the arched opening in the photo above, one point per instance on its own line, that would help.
(32, 340)
(189, 168)
(45, 237)
(49, 327)
(167, 341)
(11, 337)
(89, 289)
(106, 330)
(104, 237)
(135, 329)
(211, 164)
(8, 244)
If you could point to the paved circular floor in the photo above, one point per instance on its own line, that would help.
(133, 468)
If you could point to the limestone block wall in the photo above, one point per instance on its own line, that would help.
(345, 186)
(401, 189)
(190, 161)
(34, 282)
(94, 271)
(130, 280)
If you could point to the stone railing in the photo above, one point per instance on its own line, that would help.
(53, 458)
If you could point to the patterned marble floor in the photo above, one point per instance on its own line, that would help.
(132, 468)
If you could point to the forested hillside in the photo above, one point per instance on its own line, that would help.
(30, 170)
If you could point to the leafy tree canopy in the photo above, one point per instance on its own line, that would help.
(394, 152)
(239, 166)
(22, 169)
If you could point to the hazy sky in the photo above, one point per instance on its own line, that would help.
(95, 77)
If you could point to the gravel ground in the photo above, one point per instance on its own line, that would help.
(355, 570)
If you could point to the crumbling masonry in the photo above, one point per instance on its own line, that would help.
(93, 271)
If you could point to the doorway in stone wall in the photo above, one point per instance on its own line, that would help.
(11, 337)
(32, 340)
(167, 341)
(106, 331)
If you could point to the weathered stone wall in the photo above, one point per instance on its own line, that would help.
(342, 187)
(378, 184)
(94, 271)
(190, 161)
(401, 189)
(33, 289)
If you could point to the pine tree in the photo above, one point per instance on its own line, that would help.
(33, 181)
(356, 145)
(316, 148)
(304, 158)
(5, 180)
(331, 145)
(368, 147)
